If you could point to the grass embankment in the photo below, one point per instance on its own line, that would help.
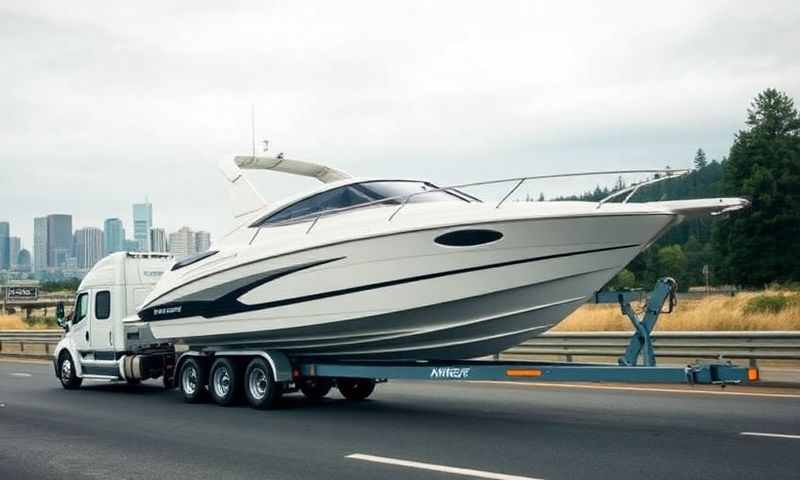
(15, 322)
(771, 310)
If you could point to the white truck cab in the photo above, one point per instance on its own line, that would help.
(95, 338)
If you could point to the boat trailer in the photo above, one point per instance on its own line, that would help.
(628, 369)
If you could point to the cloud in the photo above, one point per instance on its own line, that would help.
(106, 103)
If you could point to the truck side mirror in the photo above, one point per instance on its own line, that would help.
(60, 317)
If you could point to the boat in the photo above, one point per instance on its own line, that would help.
(401, 269)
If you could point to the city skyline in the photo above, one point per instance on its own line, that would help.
(57, 244)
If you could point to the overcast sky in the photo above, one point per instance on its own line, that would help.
(104, 103)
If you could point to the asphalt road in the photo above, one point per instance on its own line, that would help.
(406, 430)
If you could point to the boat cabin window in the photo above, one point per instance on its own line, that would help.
(359, 193)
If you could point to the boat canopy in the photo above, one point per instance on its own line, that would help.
(245, 199)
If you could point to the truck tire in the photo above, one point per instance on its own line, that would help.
(66, 369)
(315, 388)
(191, 380)
(223, 382)
(260, 388)
(356, 389)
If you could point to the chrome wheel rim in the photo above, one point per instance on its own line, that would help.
(222, 381)
(257, 383)
(189, 379)
(66, 369)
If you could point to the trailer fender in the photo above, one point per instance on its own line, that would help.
(281, 366)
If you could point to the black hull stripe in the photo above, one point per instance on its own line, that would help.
(229, 306)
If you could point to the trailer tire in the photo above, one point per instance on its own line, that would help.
(260, 388)
(223, 381)
(191, 379)
(356, 389)
(315, 388)
(66, 369)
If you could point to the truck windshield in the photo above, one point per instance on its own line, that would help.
(360, 193)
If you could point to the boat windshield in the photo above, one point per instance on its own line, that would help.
(360, 193)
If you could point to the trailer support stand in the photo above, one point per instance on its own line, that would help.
(642, 342)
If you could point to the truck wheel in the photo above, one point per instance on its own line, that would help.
(223, 382)
(191, 378)
(66, 368)
(260, 388)
(356, 388)
(315, 388)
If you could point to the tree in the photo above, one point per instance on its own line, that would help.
(673, 262)
(700, 159)
(623, 280)
(760, 245)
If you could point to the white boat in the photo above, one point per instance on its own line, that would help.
(399, 269)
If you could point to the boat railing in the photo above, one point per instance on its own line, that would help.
(402, 200)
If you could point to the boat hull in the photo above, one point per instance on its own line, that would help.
(403, 296)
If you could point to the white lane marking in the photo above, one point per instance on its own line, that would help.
(773, 435)
(438, 468)
(18, 374)
(647, 389)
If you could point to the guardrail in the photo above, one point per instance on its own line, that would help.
(751, 346)
(38, 344)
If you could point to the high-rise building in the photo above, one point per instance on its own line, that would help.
(181, 243)
(142, 223)
(59, 240)
(5, 255)
(24, 261)
(14, 246)
(88, 247)
(113, 236)
(202, 241)
(40, 244)
(158, 240)
(131, 245)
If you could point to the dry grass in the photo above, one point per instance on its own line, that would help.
(714, 313)
(15, 322)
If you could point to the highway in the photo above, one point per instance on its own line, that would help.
(405, 430)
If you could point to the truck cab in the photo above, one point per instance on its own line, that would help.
(95, 338)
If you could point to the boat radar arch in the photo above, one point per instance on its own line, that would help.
(245, 199)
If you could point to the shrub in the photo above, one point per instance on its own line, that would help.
(766, 303)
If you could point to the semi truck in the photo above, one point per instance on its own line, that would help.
(106, 340)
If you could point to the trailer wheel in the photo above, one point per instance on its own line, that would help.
(315, 388)
(260, 387)
(223, 382)
(191, 378)
(356, 389)
(66, 369)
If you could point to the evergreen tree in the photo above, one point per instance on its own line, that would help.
(760, 245)
(700, 159)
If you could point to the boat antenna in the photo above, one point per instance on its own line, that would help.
(253, 127)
